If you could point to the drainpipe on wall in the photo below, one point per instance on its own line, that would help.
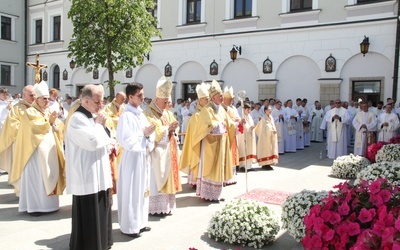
(396, 55)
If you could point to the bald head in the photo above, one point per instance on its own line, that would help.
(28, 94)
(120, 97)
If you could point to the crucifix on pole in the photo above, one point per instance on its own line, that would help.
(37, 66)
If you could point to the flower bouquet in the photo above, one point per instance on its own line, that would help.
(387, 170)
(365, 216)
(296, 207)
(244, 222)
(348, 166)
(373, 149)
(389, 152)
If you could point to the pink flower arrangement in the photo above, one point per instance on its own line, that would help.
(365, 216)
(373, 149)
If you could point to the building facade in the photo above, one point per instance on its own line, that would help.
(284, 48)
(12, 45)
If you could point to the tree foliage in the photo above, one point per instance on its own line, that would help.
(113, 34)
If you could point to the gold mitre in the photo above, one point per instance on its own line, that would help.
(41, 89)
(214, 88)
(202, 90)
(228, 92)
(164, 87)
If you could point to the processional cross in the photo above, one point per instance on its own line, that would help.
(37, 66)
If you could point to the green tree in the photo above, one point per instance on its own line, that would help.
(113, 34)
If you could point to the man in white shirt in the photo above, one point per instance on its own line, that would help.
(290, 120)
(364, 123)
(88, 173)
(255, 113)
(388, 123)
(336, 120)
(136, 136)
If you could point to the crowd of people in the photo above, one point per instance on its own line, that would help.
(135, 147)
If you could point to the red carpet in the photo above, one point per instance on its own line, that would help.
(265, 195)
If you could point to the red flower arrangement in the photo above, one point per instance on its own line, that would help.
(373, 149)
(395, 139)
(365, 216)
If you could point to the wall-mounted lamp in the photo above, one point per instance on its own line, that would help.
(235, 49)
(364, 46)
(72, 64)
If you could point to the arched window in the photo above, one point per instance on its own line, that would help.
(56, 77)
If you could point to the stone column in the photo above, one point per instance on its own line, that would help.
(329, 90)
(266, 88)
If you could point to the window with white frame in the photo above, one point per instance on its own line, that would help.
(56, 28)
(300, 5)
(5, 75)
(193, 11)
(56, 77)
(153, 11)
(243, 8)
(38, 31)
(6, 28)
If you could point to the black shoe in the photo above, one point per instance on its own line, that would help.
(132, 235)
(162, 215)
(267, 167)
(145, 229)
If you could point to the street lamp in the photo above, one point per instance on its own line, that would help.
(364, 46)
(72, 64)
(233, 53)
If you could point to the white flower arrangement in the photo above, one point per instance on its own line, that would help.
(296, 207)
(348, 166)
(244, 222)
(386, 170)
(389, 152)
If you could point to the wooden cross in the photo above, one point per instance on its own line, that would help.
(37, 68)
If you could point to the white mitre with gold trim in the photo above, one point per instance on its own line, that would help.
(41, 89)
(215, 88)
(202, 90)
(164, 87)
(228, 92)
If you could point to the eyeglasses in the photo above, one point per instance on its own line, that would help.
(44, 98)
(337, 102)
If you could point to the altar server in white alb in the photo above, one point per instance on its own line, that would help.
(136, 135)
(87, 147)
(388, 123)
(364, 122)
(336, 120)
(290, 115)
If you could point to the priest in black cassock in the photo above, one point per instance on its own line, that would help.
(88, 173)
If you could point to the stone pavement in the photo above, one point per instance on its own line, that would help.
(187, 227)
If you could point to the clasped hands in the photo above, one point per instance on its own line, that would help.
(147, 131)
(173, 126)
